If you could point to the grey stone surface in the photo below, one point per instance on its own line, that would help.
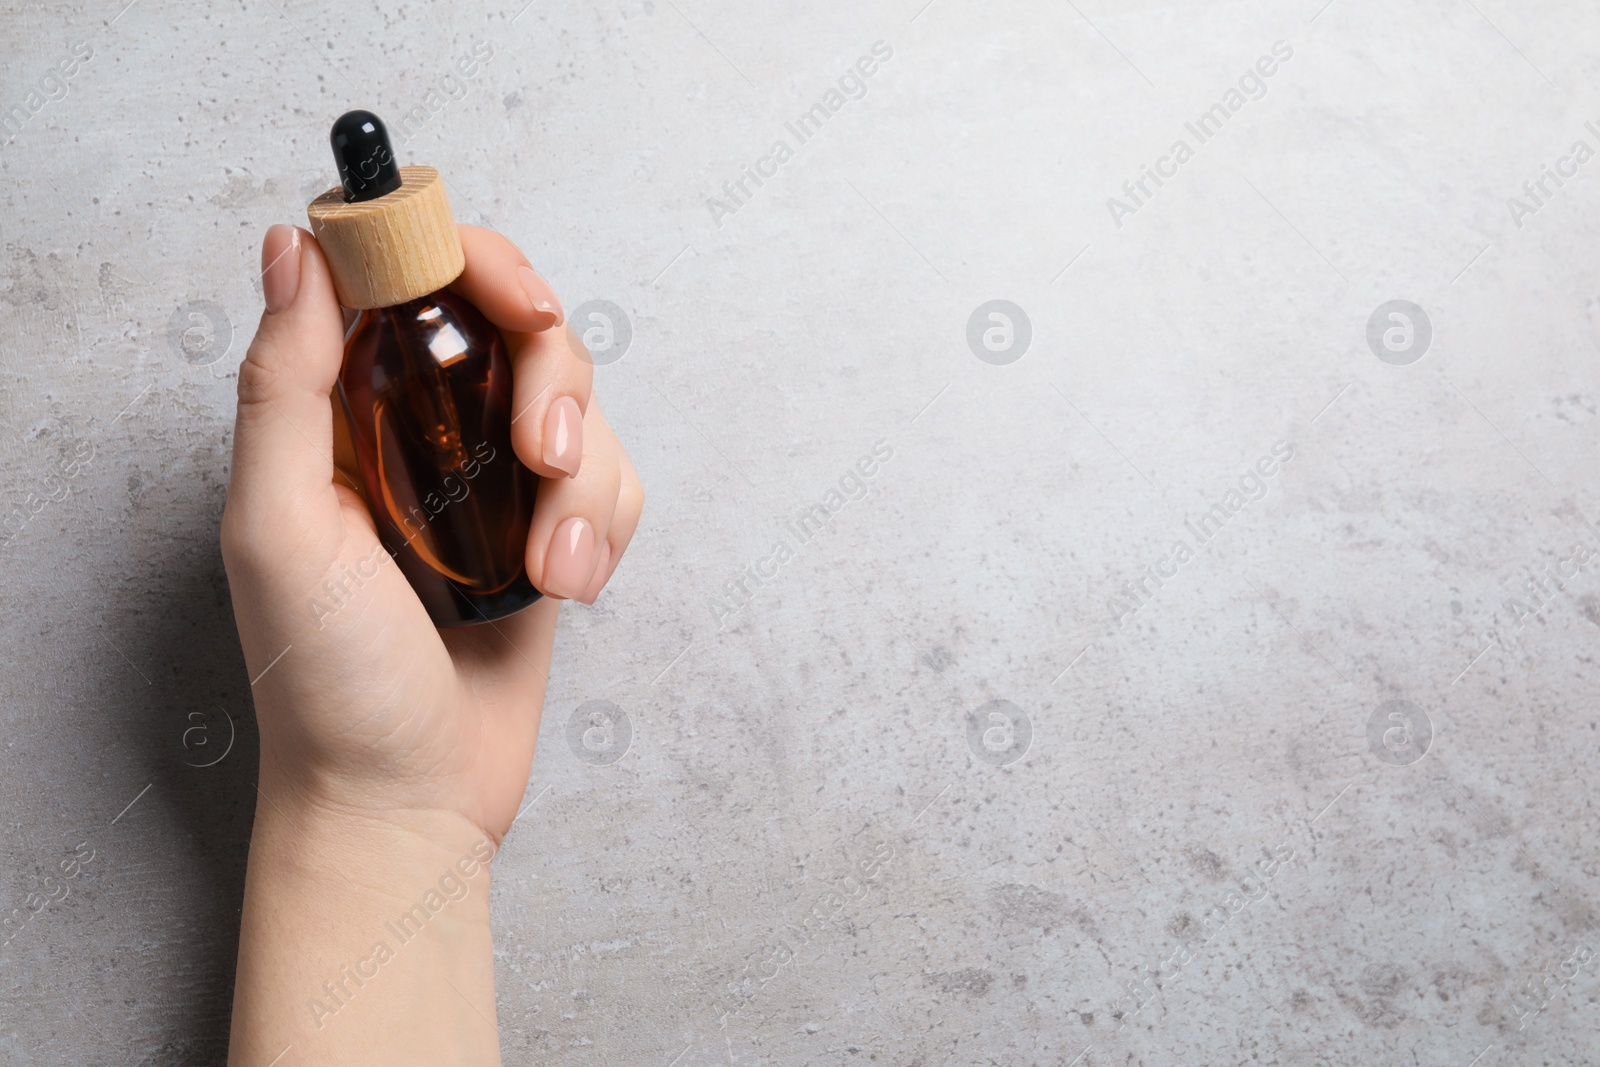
(1388, 893)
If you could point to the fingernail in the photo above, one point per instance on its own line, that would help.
(540, 295)
(570, 563)
(280, 267)
(598, 582)
(563, 435)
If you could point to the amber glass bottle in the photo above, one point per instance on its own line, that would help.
(426, 386)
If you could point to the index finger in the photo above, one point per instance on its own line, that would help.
(550, 381)
(499, 281)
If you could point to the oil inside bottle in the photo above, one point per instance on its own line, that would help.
(427, 388)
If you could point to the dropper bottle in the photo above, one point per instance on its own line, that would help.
(426, 385)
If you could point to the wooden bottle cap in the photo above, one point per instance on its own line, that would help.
(392, 249)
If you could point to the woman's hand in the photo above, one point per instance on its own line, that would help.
(387, 744)
(360, 700)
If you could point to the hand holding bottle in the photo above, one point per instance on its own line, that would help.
(389, 747)
(311, 582)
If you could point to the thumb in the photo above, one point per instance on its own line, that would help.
(283, 433)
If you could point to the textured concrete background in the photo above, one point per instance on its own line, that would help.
(1197, 832)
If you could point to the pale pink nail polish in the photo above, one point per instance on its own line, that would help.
(598, 582)
(540, 295)
(563, 435)
(570, 562)
(280, 267)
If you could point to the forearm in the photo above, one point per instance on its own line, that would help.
(363, 939)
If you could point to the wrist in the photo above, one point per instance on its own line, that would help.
(358, 922)
(363, 843)
(341, 794)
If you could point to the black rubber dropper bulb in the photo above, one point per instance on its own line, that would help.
(367, 169)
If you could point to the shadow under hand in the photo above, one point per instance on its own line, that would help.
(200, 743)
